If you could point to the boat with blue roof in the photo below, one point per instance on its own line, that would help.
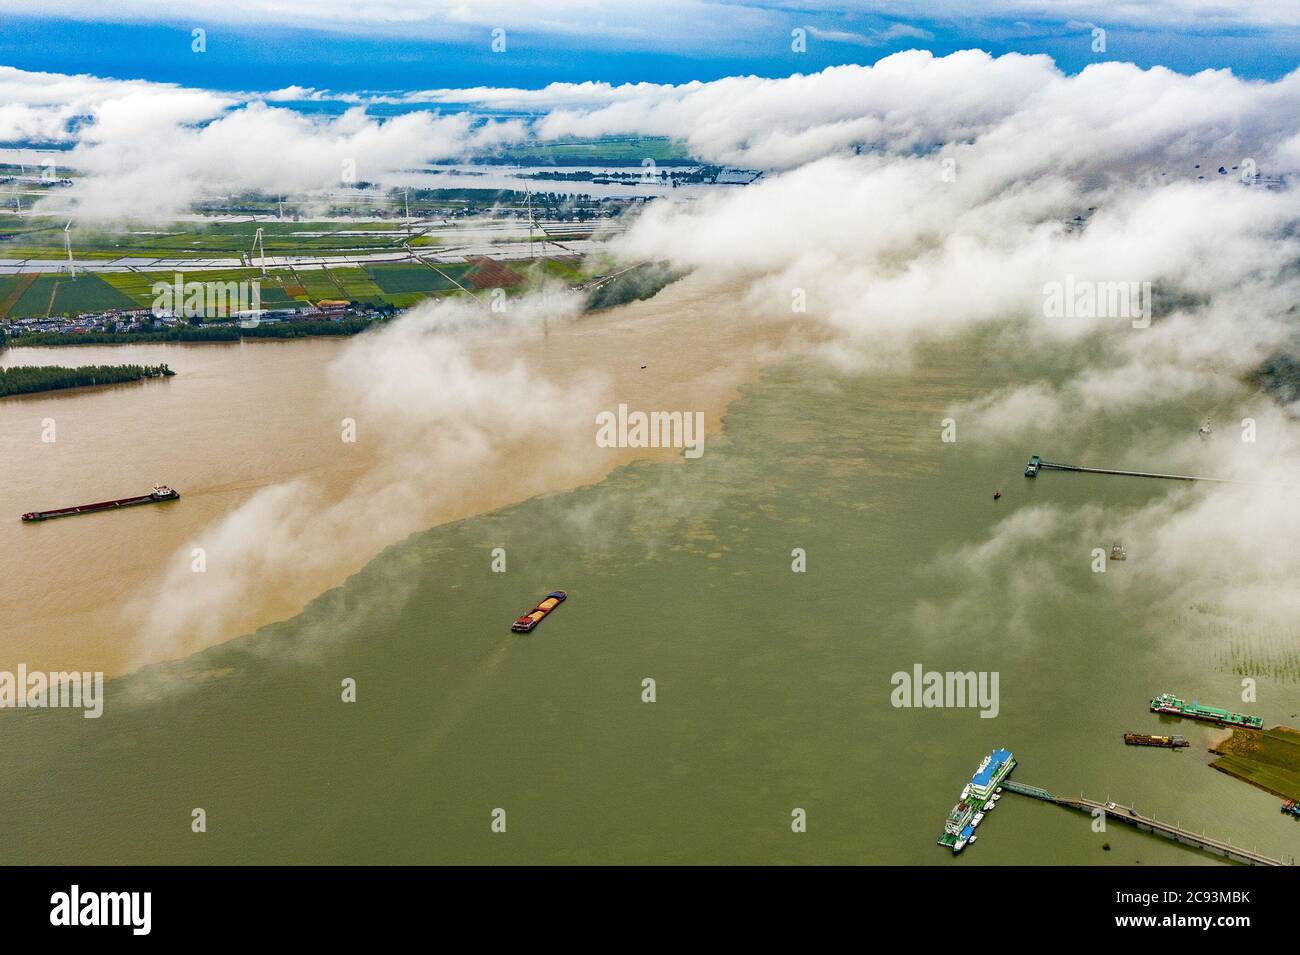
(977, 798)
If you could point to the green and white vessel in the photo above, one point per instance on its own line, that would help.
(978, 798)
(1171, 705)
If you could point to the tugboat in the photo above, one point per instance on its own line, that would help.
(1031, 469)
(1117, 551)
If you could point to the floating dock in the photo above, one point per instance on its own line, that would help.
(978, 798)
(1132, 817)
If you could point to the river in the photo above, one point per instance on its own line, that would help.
(771, 687)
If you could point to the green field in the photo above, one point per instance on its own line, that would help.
(43, 238)
(398, 285)
(1269, 760)
(64, 295)
(399, 279)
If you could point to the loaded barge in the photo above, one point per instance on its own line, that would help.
(160, 492)
(1143, 739)
(531, 619)
(1171, 705)
(978, 798)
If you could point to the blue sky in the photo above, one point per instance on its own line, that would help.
(699, 41)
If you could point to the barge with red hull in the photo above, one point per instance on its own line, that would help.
(158, 494)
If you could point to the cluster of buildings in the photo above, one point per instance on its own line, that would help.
(128, 320)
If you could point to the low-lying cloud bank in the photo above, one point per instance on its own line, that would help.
(150, 148)
(436, 418)
(916, 200)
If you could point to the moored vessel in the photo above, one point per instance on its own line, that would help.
(1171, 705)
(977, 798)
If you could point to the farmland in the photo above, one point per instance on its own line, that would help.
(1269, 760)
(401, 285)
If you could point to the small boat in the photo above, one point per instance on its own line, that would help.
(1117, 551)
(979, 817)
(1031, 469)
(531, 619)
(998, 791)
(997, 495)
(973, 838)
(1205, 431)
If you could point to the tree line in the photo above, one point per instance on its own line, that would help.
(19, 381)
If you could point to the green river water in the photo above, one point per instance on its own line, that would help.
(773, 687)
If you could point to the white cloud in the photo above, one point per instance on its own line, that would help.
(895, 31)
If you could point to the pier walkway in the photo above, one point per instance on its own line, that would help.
(1146, 474)
(1133, 818)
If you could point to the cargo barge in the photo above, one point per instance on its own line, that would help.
(1143, 739)
(531, 619)
(1171, 705)
(160, 492)
(978, 799)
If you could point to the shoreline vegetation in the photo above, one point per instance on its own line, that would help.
(638, 284)
(37, 378)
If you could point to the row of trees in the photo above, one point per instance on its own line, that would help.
(19, 381)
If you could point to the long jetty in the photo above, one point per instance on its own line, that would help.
(1146, 474)
(1133, 818)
